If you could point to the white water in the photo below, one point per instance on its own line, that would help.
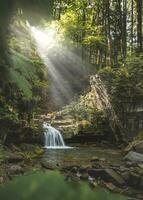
(53, 138)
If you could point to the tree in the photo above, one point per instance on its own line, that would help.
(139, 25)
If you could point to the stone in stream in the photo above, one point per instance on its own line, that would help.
(118, 178)
(50, 166)
(94, 159)
(85, 176)
(107, 175)
(134, 157)
(84, 168)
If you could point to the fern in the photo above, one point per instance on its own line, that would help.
(22, 73)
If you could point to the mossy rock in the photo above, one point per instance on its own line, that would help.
(38, 151)
(136, 144)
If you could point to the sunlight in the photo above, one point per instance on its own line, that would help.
(45, 39)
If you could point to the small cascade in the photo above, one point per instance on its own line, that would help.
(53, 138)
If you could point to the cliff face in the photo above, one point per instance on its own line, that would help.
(133, 120)
(91, 115)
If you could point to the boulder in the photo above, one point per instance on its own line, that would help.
(139, 147)
(134, 179)
(13, 158)
(134, 157)
(47, 165)
(109, 175)
(117, 177)
(14, 169)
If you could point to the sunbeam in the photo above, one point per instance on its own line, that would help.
(45, 39)
(62, 63)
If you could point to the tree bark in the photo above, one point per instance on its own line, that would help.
(139, 25)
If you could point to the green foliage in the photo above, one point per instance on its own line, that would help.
(125, 84)
(7, 112)
(22, 72)
(94, 41)
(88, 118)
(22, 82)
(70, 25)
(79, 28)
(51, 186)
(107, 75)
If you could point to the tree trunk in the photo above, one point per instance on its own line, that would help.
(132, 25)
(109, 39)
(124, 35)
(139, 25)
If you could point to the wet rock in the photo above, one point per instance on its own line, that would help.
(73, 177)
(74, 169)
(78, 174)
(90, 179)
(93, 183)
(123, 169)
(27, 147)
(69, 167)
(47, 165)
(96, 172)
(118, 178)
(134, 157)
(107, 175)
(13, 158)
(110, 186)
(134, 179)
(94, 159)
(39, 151)
(130, 164)
(84, 176)
(84, 168)
(126, 175)
(139, 147)
(140, 165)
(14, 169)
(102, 160)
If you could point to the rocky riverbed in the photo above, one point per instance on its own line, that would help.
(102, 166)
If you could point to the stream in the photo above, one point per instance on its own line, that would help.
(81, 155)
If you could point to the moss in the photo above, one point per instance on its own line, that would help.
(136, 141)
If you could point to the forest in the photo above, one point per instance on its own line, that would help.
(71, 99)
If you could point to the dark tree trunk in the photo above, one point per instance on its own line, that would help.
(132, 25)
(109, 39)
(124, 35)
(139, 25)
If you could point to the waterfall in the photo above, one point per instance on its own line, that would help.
(53, 137)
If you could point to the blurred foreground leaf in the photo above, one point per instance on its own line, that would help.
(51, 186)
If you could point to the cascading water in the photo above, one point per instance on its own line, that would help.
(53, 138)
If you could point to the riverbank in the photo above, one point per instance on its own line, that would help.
(99, 165)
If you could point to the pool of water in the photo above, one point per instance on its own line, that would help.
(81, 155)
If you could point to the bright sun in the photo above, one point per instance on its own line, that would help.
(45, 39)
